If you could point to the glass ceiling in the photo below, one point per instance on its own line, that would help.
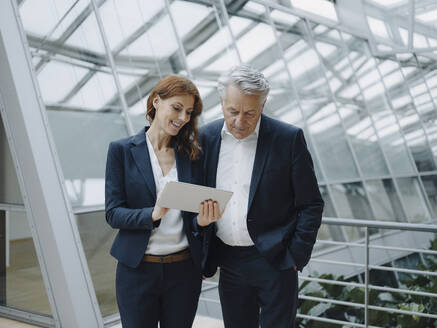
(365, 96)
(404, 26)
(367, 102)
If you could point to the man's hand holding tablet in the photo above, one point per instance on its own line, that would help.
(209, 212)
(187, 197)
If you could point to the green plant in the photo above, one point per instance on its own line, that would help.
(414, 303)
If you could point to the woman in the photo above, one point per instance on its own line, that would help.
(158, 276)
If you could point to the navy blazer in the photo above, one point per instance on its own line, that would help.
(131, 196)
(285, 205)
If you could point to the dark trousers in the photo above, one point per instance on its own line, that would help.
(157, 292)
(252, 292)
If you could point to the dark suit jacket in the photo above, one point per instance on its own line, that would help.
(131, 196)
(285, 205)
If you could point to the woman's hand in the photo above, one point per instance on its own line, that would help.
(159, 212)
(208, 212)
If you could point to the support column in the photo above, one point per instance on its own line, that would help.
(52, 223)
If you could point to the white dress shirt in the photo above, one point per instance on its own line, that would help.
(169, 237)
(234, 173)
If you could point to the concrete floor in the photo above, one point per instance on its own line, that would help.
(199, 322)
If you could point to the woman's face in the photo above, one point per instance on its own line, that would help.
(173, 113)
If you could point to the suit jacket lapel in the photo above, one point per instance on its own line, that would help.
(140, 153)
(262, 152)
(183, 166)
(214, 151)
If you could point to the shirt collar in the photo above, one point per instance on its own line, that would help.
(255, 133)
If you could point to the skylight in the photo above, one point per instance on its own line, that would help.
(158, 41)
(54, 90)
(389, 3)
(254, 7)
(249, 45)
(95, 93)
(42, 24)
(428, 16)
(182, 9)
(87, 36)
(319, 7)
(377, 27)
(123, 18)
(285, 18)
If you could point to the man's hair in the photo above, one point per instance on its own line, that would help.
(247, 79)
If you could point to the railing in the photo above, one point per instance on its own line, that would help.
(365, 268)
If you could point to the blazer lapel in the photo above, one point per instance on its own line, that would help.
(262, 152)
(140, 153)
(214, 151)
(183, 166)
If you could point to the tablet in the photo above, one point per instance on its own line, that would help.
(187, 197)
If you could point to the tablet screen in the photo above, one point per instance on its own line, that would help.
(187, 197)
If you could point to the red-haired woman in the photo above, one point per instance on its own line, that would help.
(158, 276)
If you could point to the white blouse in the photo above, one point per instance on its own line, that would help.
(169, 237)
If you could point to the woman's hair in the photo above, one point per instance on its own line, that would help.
(175, 85)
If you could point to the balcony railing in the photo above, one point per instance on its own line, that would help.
(364, 246)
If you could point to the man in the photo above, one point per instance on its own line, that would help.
(268, 229)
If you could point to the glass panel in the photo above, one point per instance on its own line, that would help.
(77, 84)
(319, 7)
(86, 35)
(388, 130)
(328, 210)
(413, 199)
(331, 231)
(351, 201)
(316, 101)
(56, 90)
(24, 283)
(430, 185)
(9, 187)
(385, 201)
(137, 113)
(409, 110)
(50, 25)
(95, 94)
(159, 41)
(363, 137)
(82, 141)
(97, 237)
(417, 141)
(317, 170)
(328, 136)
(358, 124)
(392, 142)
(122, 19)
(208, 45)
(248, 45)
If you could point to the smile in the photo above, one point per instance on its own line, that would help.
(176, 124)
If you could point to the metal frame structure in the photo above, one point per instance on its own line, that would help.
(57, 242)
(366, 246)
(359, 44)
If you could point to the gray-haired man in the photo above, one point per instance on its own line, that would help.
(269, 227)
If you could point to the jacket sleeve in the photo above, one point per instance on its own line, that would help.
(308, 203)
(118, 215)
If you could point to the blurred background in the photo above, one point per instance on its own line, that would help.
(359, 76)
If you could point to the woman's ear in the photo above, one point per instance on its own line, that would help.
(156, 102)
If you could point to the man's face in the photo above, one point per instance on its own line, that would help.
(241, 111)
